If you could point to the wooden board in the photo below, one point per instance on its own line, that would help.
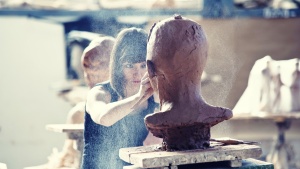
(265, 115)
(75, 131)
(62, 128)
(151, 156)
(249, 163)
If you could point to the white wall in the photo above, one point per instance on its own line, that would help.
(32, 56)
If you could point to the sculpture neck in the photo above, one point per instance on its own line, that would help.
(179, 93)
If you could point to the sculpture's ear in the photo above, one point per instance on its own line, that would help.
(151, 69)
(152, 75)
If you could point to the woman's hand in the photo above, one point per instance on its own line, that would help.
(145, 90)
(153, 89)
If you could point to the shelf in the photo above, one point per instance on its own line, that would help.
(113, 13)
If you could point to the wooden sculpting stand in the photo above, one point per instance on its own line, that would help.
(75, 133)
(152, 157)
(281, 153)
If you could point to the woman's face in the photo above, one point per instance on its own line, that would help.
(133, 73)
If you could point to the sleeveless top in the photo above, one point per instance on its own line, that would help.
(102, 144)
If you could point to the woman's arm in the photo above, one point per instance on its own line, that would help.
(105, 113)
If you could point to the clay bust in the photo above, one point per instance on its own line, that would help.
(176, 57)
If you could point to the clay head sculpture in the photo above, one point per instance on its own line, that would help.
(176, 57)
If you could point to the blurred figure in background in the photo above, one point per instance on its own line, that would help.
(74, 89)
(95, 64)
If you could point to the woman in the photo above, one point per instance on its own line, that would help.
(110, 121)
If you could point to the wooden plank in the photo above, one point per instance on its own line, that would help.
(62, 128)
(249, 163)
(125, 153)
(266, 115)
(75, 131)
(135, 167)
(145, 158)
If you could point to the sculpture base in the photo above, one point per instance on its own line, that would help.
(196, 136)
(153, 157)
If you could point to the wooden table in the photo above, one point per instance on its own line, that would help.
(65, 128)
(281, 153)
(265, 115)
(75, 132)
